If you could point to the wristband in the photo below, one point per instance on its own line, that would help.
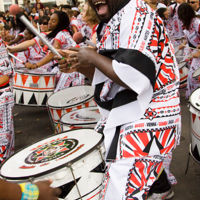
(29, 191)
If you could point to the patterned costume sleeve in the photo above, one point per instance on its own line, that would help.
(65, 39)
(5, 63)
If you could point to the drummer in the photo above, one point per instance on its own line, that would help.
(136, 79)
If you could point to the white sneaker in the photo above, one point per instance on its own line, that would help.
(161, 196)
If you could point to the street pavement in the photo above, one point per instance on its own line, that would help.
(33, 123)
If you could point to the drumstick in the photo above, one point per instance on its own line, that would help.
(191, 48)
(15, 57)
(38, 27)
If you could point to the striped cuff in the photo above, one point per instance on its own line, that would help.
(29, 191)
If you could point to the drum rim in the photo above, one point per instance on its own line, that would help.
(52, 74)
(190, 100)
(70, 106)
(183, 65)
(55, 168)
(196, 75)
(77, 124)
(36, 89)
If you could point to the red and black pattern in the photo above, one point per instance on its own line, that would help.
(144, 143)
(159, 46)
(143, 173)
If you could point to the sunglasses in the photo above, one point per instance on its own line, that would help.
(44, 23)
(193, 2)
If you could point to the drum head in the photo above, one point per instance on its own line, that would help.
(195, 99)
(50, 154)
(82, 116)
(181, 65)
(70, 97)
(196, 74)
(38, 71)
(175, 49)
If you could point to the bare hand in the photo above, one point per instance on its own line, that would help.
(46, 192)
(181, 46)
(30, 66)
(196, 55)
(10, 49)
(82, 57)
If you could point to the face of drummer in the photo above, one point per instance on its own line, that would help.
(105, 9)
(27, 35)
(53, 22)
(44, 26)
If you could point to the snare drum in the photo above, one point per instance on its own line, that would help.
(81, 118)
(183, 71)
(195, 124)
(63, 158)
(33, 87)
(69, 99)
(196, 74)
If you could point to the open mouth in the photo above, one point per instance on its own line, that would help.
(101, 7)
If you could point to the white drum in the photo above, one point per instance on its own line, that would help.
(196, 74)
(183, 71)
(33, 87)
(81, 118)
(69, 99)
(195, 124)
(63, 157)
(178, 53)
(89, 187)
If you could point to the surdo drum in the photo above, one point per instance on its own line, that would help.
(66, 157)
(69, 99)
(183, 71)
(195, 124)
(33, 87)
(81, 118)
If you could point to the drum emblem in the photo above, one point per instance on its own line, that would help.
(78, 99)
(51, 151)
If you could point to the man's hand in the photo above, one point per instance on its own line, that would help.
(46, 192)
(82, 57)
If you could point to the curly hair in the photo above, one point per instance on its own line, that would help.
(186, 14)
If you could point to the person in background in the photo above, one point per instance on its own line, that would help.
(76, 11)
(38, 2)
(195, 5)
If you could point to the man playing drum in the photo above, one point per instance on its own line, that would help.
(136, 81)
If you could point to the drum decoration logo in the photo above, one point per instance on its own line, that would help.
(77, 117)
(78, 99)
(51, 151)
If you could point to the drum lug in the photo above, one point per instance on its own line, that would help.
(100, 152)
(69, 165)
(31, 180)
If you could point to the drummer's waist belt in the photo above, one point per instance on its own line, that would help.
(113, 147)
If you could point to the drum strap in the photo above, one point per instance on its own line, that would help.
(113, 148)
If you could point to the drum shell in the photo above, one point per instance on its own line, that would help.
(33, 89)
(195, 129)
(183, 71)
(81, 118)
(57, 111)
